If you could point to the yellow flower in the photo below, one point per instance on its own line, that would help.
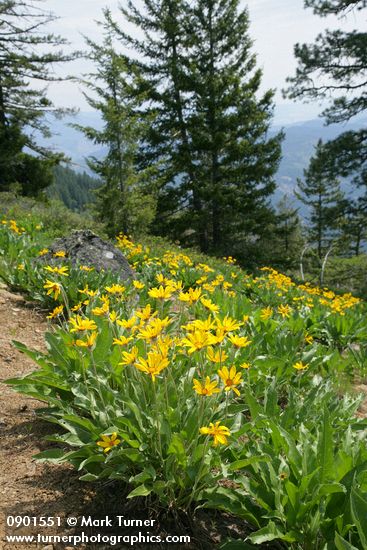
(43, 252)
(154, 329)
(80, 324)
(126, 323)
(100, 311)
(208, 304)
(300, 366)
(218, 431)
(228, 324)
(115, 289)
(89, 342)
(21, 267)
(218, 356)
(199, 324)
(138, 285)
(231, 378)
(207, 388)
(85, 268)
(55, 312)
(146, 313)
(191, 297)
(63, 270)
(284, 311)
(161, 293)
(239, 341)
(113, 316)
(129, 357)
(153, 365)
(245, 366)
(308, 339)
(52, 288)
(122, 341)
(60, 254)
(197, 340)
(77, 307)
(108, 442)
(266, 313)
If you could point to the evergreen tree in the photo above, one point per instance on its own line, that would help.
(125, 202)
(288, 232)
(322, 196)
(334, 69)
(22, 108)
(210, 127)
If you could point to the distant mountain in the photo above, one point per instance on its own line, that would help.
(301, 137)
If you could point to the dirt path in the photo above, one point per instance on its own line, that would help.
(27, 487)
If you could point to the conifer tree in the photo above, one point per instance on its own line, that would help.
(126, 201)
(210, 125)
(322, 195)
(23, 61)
(333, 69)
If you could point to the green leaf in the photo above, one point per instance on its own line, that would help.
(239, 464)
(270, 532)
(51, 455)
(325, 455)
(358, 504)
(141, 491)
(342, 544)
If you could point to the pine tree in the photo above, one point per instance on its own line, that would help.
(22, 108)
(210, 127)
(126, 201)
(288, 231)
(334, 69)
(322, 196)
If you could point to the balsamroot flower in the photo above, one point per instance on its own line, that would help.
(220, 433)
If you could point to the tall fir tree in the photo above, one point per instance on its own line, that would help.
(334, 69)
(210, 130)
(24, 60)
(322, 195)
(126, 201)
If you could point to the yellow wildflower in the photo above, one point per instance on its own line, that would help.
(63, 270)
(138, 285)
(231, 378)
(239, 341)
(191, 297)
(52, 288)
(266, 313)
(89, 342)
(218, 356)
(79, 324)
(161, 293)
(129, 357)
(284, 311)
(153, 365)
(129, 323)
(108, 442)
(300, 366)
(218, 431)
(60, 254)
(43, 252)
(209, 387)
(115, 289)
(55, 312)
(208, 304)
(122, 341)
(197, 340)
(228, 324)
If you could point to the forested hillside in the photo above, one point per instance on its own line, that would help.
(75, 190)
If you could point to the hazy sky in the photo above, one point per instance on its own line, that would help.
(276, 25)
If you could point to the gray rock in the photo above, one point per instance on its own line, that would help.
(86, 248)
